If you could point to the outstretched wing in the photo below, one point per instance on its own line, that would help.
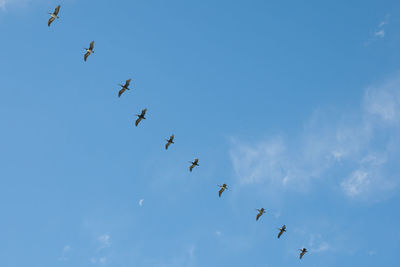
(167, 145)
(57, 10)
(280, 233)
(196, 161)
(91, 45)
(301, 255)
(121, 92)
(86, 55)
(191, 167)
(144, 112)
(220, 191)
(258, 216)
(127, 83)
(171, 138)
(137, 121)
(50, 21)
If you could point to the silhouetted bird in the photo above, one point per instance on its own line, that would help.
(194, 163)
(89, 50)
(53, 15)
(169, 141)
(281, 230)
(141, 116)
(124, 87)
(302, 252)
(260, 212)
(223, 187)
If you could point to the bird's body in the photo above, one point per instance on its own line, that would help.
(169, 141)
(302, 252)
(89, 50)
(260, 212)
(141, 116)
(194, 164)
(281, 230)
(54, 15)
(223, 187)
(124, 87)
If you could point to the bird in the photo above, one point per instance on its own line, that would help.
(53, 15)
(281, 230)
(89, 50)
(169, 141)
(194, 163)
(124, 87)
(260, 212)
(141, 116)
(302, 252)
(223, 187)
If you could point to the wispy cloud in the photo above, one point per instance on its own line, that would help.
(360, 146)
(104, 240)
(380, 30)
(65, 252)
(141, 202)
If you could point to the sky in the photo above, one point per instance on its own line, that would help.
(295, 105)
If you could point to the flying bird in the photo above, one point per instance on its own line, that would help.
(54, 15)
(124, 87)
(89, 50)
(260, 212)
(194, 163)
(169, 141)
(302, 252)
(223, 187)
(141, 116)
(281, 230)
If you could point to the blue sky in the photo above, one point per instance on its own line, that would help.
(296, 106)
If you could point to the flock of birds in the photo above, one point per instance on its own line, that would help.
(141, 116)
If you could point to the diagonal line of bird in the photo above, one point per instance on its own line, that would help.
(141, 116)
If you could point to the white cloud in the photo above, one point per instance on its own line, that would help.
(141, 202)
(5, 3)
(65, 252)
(380, 33)
(105, 240)
(357, 183)
(361, 147)
(101, 260)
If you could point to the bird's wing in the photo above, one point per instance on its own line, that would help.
(220, 191)
(196, 161)
(167, 145)
(171, 138)
(191, 167)
(258, 216)
(121, 92)
(144, 112)
(137, 121)
(91, 45)
(50, 21)
(86, 55)
(127, 82)
(280, 233)
(57, 10)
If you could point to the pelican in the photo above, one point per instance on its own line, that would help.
(223, 187)
(260, 212)
(169, 141)
(141, 116)
(53, 15)
(302, 252)
(124, 87)
(194, 163)
(281, 230)
(89, 50)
